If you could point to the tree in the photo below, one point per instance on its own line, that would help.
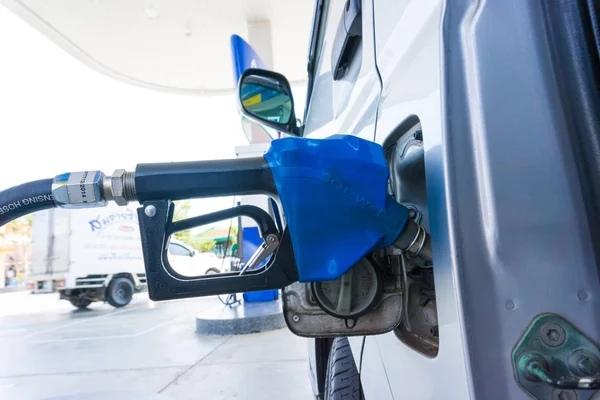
(182, 209)
(234, 233)
(206, 246)
(19, 226)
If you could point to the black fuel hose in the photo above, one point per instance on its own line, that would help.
(25, 199)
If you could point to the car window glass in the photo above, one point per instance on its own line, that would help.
(178, 250)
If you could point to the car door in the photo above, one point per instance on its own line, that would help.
(407, 54)
(344, 86)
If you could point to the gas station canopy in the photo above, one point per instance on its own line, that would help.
(178, 46)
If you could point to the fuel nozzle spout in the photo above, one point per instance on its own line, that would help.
(416, 242)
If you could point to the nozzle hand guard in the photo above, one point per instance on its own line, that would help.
(164, 283)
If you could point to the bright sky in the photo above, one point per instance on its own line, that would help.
(58, 115)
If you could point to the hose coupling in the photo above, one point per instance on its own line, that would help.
(88, 189)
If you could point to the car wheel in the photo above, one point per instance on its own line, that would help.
(79, 302)
(342, 380)
(119, 292)
(212, 271)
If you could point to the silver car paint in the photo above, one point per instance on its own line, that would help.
(408, 57)
(506, 215)
(349, 105)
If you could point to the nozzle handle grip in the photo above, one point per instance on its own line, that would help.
(197, 179)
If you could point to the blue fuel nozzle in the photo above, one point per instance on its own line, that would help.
(334, 197)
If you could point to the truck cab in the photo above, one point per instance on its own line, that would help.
(487, 113)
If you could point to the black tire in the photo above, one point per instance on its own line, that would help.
(120, 292)
(211, 271)
(79, 302)
(342, 381)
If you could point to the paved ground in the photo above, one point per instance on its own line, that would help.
(47, 350)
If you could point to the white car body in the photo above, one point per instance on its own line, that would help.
(188, 262)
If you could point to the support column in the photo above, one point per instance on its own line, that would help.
(259, 37)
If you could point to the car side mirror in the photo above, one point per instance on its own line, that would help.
(266, 97)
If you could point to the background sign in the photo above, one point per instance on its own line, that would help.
(244, 57)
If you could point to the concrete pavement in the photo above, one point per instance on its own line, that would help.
(48, 349)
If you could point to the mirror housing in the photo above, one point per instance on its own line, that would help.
(266, 97)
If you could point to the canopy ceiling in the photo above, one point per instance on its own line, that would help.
(172, 45)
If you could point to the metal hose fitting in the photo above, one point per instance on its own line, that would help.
(79, 189)
(415, 241)
(129, 186)
(120, 187)
(93, 189)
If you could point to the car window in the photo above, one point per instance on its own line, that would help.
(178, 250)
(316, 44)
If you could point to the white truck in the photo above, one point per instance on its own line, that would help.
(95, 254)
(87, 255)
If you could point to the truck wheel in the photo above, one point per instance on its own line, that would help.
(119, 292)
(211, 271)
(79, 302)
(342, 380)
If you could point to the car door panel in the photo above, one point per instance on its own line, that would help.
(410, 373)
(347, 105)
(408, 60)
(373, 376)
(408, 57)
